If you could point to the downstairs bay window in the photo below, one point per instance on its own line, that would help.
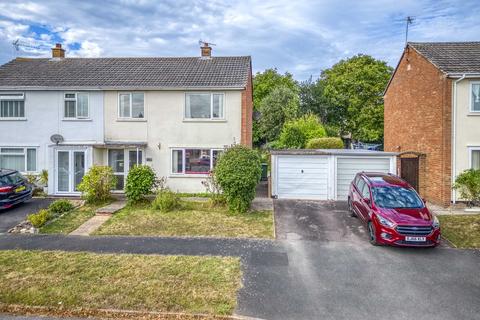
(20, 159)
(193, 161)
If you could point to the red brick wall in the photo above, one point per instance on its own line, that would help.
(247, 112)
(418, 118)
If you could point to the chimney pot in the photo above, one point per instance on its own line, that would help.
(206, 50)
(58, 51)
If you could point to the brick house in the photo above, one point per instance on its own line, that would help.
(432, 109)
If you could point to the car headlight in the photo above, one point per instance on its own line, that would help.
(385, 222)
(436, 223)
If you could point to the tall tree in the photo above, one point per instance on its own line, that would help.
(263, 84)
(276, 108)
(312, 99)
(353, 89)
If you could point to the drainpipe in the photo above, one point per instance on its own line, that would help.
(454, 131)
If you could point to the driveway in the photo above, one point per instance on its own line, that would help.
(11, 217)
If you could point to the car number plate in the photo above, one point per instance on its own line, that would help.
(20, 189)
(416, 239)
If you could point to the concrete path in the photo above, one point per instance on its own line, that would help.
(102, 215)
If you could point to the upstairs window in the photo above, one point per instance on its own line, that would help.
(204, 106)
(76, 106)
(131, 105)
(475, 100)
(12, 105)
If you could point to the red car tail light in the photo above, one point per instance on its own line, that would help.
(6, 189)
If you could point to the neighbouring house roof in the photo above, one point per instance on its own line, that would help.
(451, 57)
(126, 73)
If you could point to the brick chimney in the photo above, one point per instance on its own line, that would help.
(206, 50)
(58, 51)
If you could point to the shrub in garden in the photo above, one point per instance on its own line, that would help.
(296, 133)
(141, 181)
(60, 206)
(468, 184)
(325, 143)
(237, 172)
(214, 190)
(97, 184)
(166, 200)
(40, 218)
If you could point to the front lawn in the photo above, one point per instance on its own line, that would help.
(461, 230)
(192, 219)
(71, 220)
(71, 281)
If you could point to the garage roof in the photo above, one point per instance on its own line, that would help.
(341, 152)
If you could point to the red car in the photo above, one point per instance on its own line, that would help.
(392, 210)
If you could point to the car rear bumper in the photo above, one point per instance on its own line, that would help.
(387, 236)
(7, 203)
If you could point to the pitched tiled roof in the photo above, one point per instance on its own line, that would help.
(111, 73)
(451, 57)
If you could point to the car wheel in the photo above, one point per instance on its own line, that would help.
(371, 234)
(350, 208)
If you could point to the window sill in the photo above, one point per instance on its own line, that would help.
(13, 119)
(131, 120)
(204, 120)
(185, 175)
(77, 119)
(473, 114)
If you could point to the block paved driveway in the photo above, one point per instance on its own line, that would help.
(321, 267)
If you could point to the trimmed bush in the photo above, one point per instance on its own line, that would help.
(40, 218)
(238, 170)
(468, 184)
(296, 133)
(140, 182)
(60, 206)
(166, 200)
(325, 143)
(97, 184)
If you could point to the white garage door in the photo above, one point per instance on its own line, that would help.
(347, 168)
(302, 177)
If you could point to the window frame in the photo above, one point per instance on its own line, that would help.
(4, 96)
(470, 98)
(24, 154)
(76, 117)
(470, 154)
(172, 150)
(211, 118)
(130, 118)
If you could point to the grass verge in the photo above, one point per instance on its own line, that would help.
(71, 220)
(461, 230)
(191, 219)
(68, 280)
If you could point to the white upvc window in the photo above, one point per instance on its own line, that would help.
(23, 159)
(475, 97)
(12, 105)
(131, 105)
(76, 105)
(194, 161)
(474, 157)
(204, 105)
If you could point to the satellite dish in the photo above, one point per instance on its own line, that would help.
(56, 138)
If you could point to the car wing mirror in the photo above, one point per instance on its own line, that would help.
(367, 201)
(424, 200)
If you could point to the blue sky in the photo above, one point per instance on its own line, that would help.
(302, 37)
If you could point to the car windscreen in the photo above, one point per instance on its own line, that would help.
(11, 179)
(396, 197)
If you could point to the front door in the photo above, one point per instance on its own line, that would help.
(409, 171)
(118, 158)
(70, 169)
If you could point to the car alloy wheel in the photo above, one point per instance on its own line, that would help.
(350, 208)
(371, 233)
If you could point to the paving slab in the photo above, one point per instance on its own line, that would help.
(90, 225)
(111, 208)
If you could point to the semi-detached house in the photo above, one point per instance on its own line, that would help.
(175, 114)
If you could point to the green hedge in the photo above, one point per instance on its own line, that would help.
(325, 143)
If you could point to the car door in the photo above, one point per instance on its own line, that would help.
(365, 202)
(357, 194)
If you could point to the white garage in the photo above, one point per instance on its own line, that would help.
(323, 174)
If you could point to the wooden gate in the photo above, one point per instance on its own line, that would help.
(409, 171)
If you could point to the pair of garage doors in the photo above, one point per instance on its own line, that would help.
(322, 177)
